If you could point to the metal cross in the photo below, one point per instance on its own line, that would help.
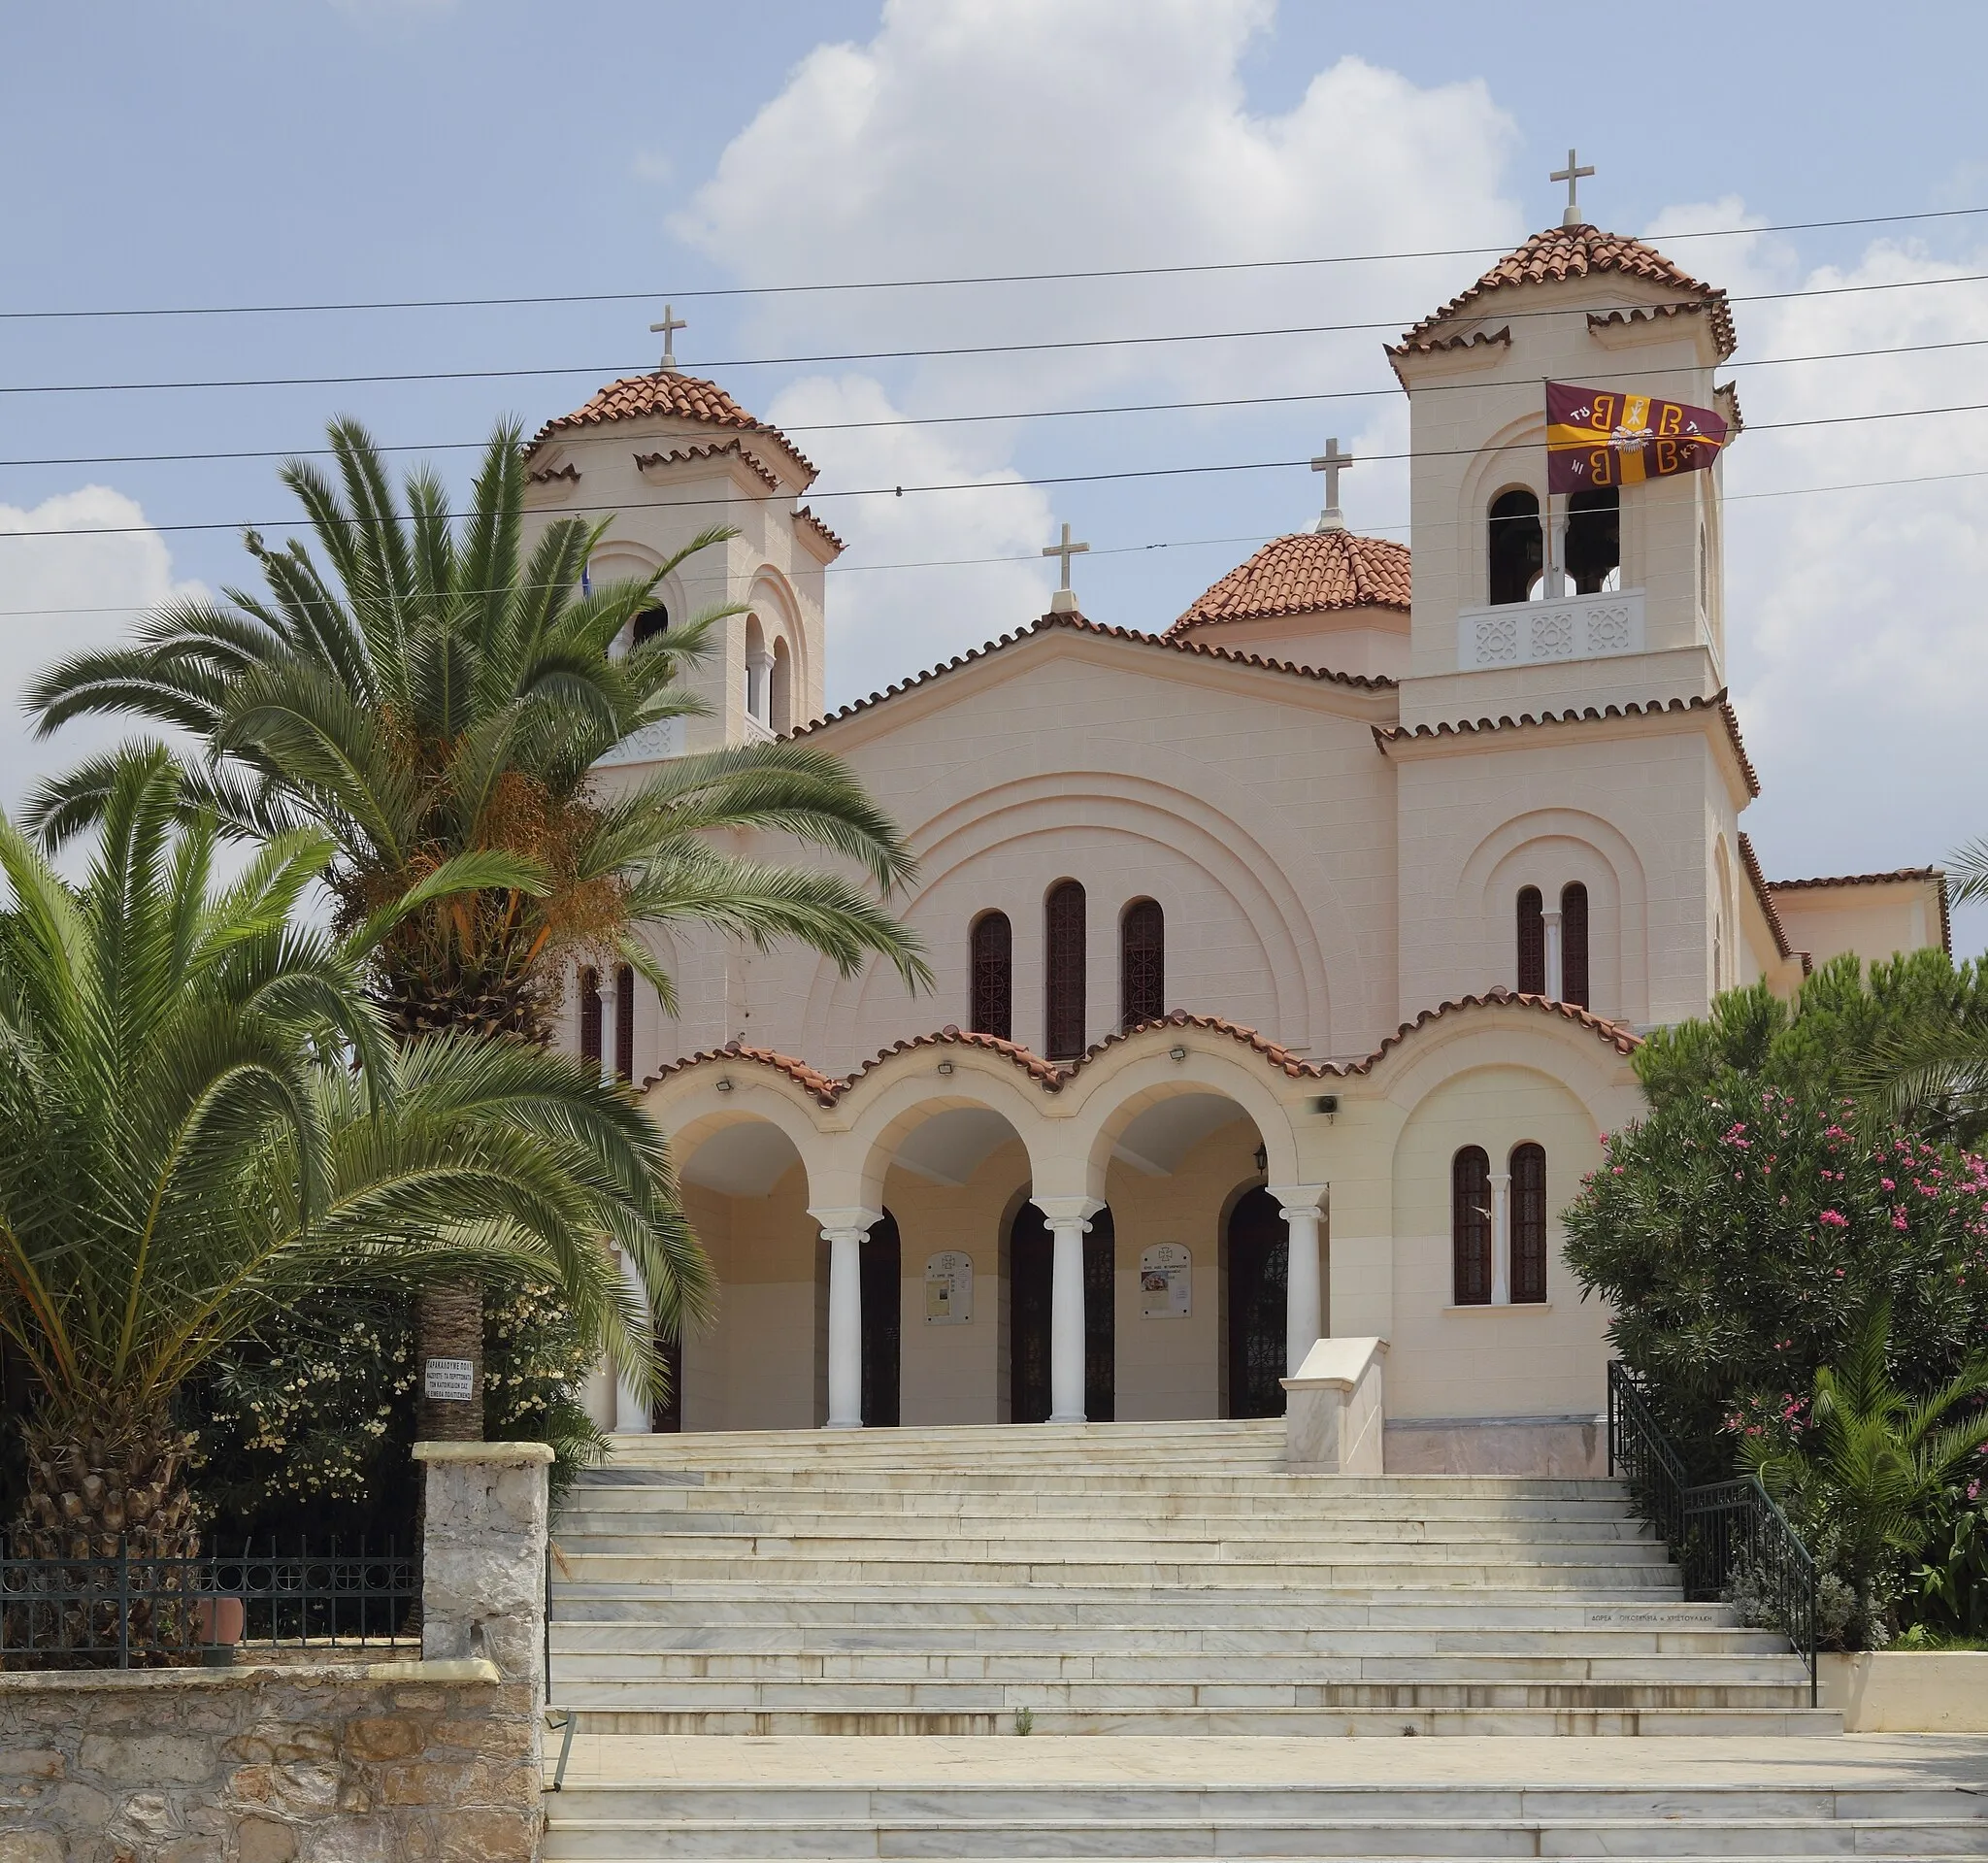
(668, 328)
(1332, 462)
(1063, 602)
(1572, 175)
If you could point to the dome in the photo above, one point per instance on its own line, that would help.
(1309, 573)
(666, 395)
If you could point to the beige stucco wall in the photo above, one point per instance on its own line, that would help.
(1876, 922)
(1373, 643)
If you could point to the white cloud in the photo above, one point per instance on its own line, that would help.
(973, 138)
(68, 594)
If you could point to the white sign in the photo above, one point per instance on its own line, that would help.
(449, 1380)
(1165, 1281)
(949, 1289)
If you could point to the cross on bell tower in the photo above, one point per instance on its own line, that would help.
(1572, 175)
(1063, 601)
(667, 329)
(1332, 462)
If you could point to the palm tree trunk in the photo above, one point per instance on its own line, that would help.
(450, 1323)
(103, 1471)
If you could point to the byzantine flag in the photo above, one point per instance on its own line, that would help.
(1606, 437)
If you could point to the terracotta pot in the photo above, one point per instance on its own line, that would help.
(219, 1620)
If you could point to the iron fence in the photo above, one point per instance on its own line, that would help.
(1717, 1531)
(130, 1610)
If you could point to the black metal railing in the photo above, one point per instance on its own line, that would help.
(1717, 1532)
(130, 1609)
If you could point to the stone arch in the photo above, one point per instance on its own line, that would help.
(772, 599)
(1547, 849)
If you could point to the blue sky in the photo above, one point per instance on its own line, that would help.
(228, 152)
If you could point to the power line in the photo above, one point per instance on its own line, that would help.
(973, 485)
(1101, 550)
(928, 355)
(1023, 414)
(922, 284)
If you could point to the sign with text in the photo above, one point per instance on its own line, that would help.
(1165, 1281)
(448, 1380)
(949, 1289)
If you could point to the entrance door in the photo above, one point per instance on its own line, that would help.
(665, 1418)
(1031, 1270)
(882, 1319)
(1259, 1264)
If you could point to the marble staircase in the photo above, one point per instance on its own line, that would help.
(1124, 1641)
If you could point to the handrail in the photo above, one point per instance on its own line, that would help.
(1716, 1527)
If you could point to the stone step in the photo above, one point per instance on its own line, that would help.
(1642, 1577)
(1781, 1721)
(1081, 1503)
(1478, 1667)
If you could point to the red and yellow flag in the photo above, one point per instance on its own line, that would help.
(1605, 437)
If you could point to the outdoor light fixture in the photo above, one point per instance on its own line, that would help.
(1177, 1052)
(724, 1084)
(945, 1067)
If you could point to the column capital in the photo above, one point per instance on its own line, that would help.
(1298, 1196)
(1500, 1180)
(855, 1221)
(1058, 1212)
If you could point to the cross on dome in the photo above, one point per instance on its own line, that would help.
(1063, 601)
(1332, 462)
(667, 329)
(1572, 175)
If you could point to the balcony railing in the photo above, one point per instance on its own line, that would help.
(1569, 628)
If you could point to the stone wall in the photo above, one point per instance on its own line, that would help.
(320, 1763)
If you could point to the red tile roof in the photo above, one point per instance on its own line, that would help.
(1386, 734)
(835, 544)
(678, 397)
(716, 450)
(1758, 881)
(1304, 574)
(1078, 624)
(1898, 876)
(1053, 1076)
(1564, 252)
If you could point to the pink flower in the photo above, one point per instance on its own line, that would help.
(1834, 1218)
(1887, 1183)
(1898, 1221)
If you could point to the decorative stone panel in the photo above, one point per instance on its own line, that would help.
(1576, 627)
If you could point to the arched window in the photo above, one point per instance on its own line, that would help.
(1141, 963)
(990, 1010)
(1528, 1224)
(1063, 920)
(780, 702)
(650, 623)
(591, 1018)
(1532, 943)
(624, 1022)
(1469, 1226)
(1517, 553)
(758, 663)
(1594, 539)
(1574, 944)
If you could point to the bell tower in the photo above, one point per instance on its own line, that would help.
(1528, 600)
(667, 456)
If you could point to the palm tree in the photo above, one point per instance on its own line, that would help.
(1871, 1473)
(205, 1125)
(446, 692)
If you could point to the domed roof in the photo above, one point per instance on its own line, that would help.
(1304, 574)
(1563, 252)
(666, 395)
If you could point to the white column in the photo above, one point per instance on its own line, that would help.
(1555, 976)
(1304, 1299)
(1070, 1220)
(1500, 1238)
(611, 1020)
(846, 1231)
(758, 673)
(631, 1414)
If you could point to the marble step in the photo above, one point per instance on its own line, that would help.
(1281, 1667)
(1622, 1576)
(1105, 1642)
(1157, 1723)
(1102, 1525)
(1198, 1606)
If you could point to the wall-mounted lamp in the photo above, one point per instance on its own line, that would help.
(1263, 1157)
(724, 1084)
(945, 1067)
(1326, 1103)
(1177, 1052)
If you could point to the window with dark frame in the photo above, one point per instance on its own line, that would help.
(1574, 944)
(1528, 1224)
(650, 623)
(1063, 915)
(591, 1018)
(1517, 546)
(624, 1022)
(1469, 1226)
(1141, 963)
(990, 1010)
(1532, 943)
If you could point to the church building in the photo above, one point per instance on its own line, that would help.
(1290, 956)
